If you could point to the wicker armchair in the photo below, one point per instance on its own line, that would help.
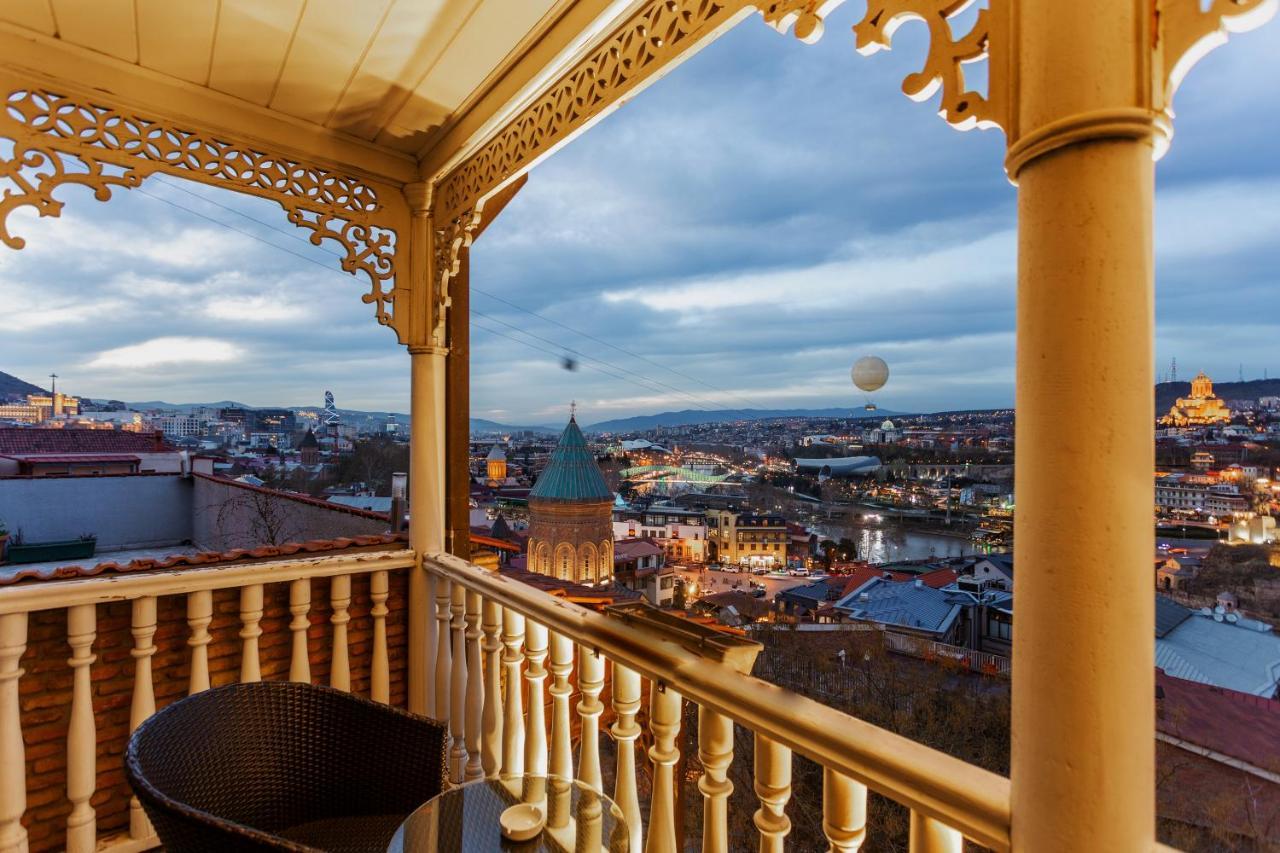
(283, 766)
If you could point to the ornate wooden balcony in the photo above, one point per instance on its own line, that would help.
(512, 657)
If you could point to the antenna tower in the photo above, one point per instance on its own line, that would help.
(1173, 372)
(1240, 374)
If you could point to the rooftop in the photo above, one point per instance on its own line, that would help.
(572, 475)
(1243, 655)
(20, 440)
(901, 603)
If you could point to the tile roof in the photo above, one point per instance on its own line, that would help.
(15, 440)
(387, 541)
(572, 475)
(630, 549)
(48, 458)
(576, 592)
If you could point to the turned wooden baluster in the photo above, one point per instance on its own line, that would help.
(380, 668)
(340, 600)
(561, 745)
(664, 726)
(13, 759)
(535, 725)
(590, 683)
(299, 607)
(932, 836)
(512, 706)
(715, 751)
(491, 715)
(475, 689)
(144, 694)
(82, 746)
(458, 685)
(844, 811)
(444, 655)
(199, 615)
(773, 787)
(250, 616)
(626, 703)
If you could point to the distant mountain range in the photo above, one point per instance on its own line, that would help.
(689, 417)
(1168, 392)
(12, 386)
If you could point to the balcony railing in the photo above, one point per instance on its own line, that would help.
(479, 613)
(221, 639)
(492, 632)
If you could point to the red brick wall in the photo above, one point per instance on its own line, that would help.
(46, 687)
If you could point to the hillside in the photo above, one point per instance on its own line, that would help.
(1167, 392)
(714, 416)
(12, 386)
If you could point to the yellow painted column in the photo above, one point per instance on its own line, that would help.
(426, 451)
(1083, 683)
(426, 516)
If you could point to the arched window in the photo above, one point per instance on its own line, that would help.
(542, 560)
(564, 561)
(587, 563)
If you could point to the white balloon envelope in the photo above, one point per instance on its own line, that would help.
(870, 373)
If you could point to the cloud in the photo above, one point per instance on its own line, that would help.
(742, 231)
(166, 351)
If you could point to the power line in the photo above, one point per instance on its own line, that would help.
(648, 383)
(295, 236)
(637, 376)
(614, 346)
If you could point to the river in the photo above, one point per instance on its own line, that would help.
(886, 543)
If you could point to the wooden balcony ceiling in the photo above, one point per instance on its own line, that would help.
(387, 75)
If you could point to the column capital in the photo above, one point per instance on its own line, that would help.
(419, 195)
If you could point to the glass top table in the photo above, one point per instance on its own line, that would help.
(465, 819)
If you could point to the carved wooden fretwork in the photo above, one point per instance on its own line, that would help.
(660, 33)
(944, 63)
(55, 139)
(656, 36)
(1187, 31)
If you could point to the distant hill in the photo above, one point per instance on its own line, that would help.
(689, 417)
(1168, 392)
(12, 386)
(482, 425)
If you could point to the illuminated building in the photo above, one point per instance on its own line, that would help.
(570, 511)
(747, 539)
(1201, 408)
(496, 466)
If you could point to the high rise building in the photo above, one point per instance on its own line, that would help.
(570, 509)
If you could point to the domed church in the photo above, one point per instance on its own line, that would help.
(570, 515)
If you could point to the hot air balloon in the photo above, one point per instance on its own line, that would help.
(870, 373)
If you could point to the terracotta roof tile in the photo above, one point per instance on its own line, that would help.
(27, 440)
(386, 541)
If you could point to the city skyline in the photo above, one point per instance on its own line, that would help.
(694, 251)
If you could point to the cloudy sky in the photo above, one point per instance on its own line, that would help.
(736, 236)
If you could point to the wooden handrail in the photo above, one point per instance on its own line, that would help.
(52, 595)
(972, 800)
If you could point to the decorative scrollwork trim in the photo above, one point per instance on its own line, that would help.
(944, 63)
(60, 139)
(1187, 32)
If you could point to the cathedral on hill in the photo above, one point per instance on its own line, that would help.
(1200, 409)
(570, 515)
